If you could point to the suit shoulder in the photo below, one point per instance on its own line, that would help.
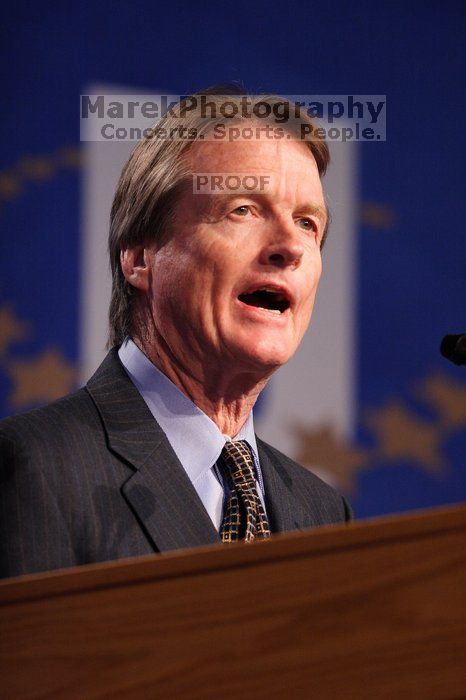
(51, 423)
(309, 483)
(296, 470)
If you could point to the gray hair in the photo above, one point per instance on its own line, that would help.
(153, 179)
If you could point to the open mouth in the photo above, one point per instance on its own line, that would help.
(269, 299)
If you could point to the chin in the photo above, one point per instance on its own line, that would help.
(266, 356)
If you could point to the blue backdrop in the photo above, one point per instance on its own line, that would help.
(412, 257)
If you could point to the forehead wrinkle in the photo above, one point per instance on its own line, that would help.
(289, 184)
(220, 152)
(212, 157)
(289, 196)
(276, 162)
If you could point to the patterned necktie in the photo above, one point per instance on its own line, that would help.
(244, 516)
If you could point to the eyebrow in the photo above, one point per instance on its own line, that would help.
(322, 212)
(317, 210)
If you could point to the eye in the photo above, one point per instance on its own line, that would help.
(308, 224)
(242, 210)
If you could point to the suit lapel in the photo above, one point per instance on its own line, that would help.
(284, 507)
(159, 492)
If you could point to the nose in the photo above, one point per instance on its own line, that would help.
(284, 245)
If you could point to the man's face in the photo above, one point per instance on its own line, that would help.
(233, 283)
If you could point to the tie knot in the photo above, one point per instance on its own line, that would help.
(244, 515)
(238, 459)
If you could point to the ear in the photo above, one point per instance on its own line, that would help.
(135, 263)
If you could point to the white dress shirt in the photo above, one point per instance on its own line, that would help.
(194, 437)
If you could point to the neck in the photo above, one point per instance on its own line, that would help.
(227, 397)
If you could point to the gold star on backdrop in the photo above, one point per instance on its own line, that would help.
(447, 397)
(10, 186)
(11, 329)
(402, 436)
(70, 157)
(37, 168)
(43, 379)
(376, 215)
(322, 449)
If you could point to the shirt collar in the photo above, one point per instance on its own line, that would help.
(195, 438)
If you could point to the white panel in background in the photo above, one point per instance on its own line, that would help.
(102, 166)
(318, 385)
(103, 162)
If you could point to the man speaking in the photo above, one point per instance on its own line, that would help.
(214, 282)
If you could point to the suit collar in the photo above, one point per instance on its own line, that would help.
(159, 491)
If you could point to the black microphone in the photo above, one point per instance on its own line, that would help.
(453, 347)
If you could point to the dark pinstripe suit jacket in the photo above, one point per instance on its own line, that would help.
(92, 477)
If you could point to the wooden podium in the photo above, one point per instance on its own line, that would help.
(372, 610)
